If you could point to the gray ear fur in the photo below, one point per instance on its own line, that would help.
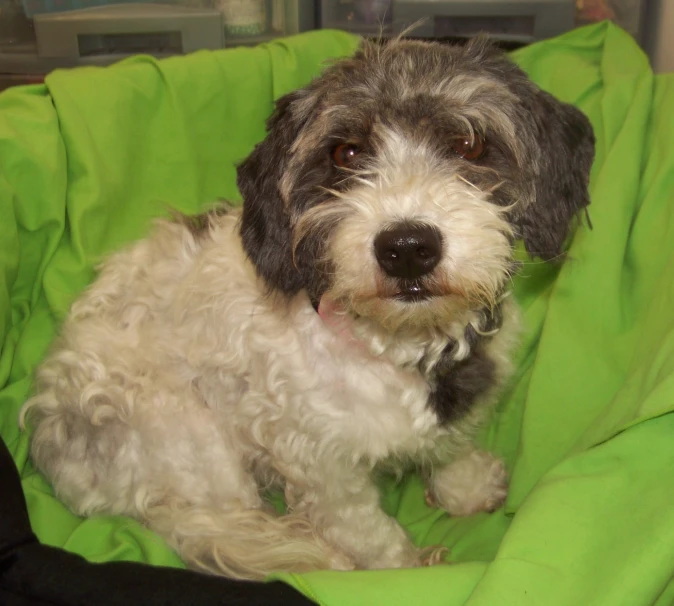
(265, 228)
(561, 142)
(566, 152)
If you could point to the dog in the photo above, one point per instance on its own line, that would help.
(353, 317)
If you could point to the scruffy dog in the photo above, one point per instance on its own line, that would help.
(354, 317)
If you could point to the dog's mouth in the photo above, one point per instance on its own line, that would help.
(412, 292)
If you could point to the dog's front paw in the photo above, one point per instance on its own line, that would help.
(476, 482)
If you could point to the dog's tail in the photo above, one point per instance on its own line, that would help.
(243, 544)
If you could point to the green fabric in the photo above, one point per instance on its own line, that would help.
(89, 158)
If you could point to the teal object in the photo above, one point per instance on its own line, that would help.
(39, 7)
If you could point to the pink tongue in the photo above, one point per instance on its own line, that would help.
(334, 316)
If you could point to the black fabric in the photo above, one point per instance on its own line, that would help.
(32, 574)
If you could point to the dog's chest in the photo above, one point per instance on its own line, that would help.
(342, 392)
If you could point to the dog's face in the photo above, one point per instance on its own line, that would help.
(397, 182)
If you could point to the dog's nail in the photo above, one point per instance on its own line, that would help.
(434, 555)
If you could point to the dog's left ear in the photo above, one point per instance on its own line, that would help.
(561, 167)
(265, 228)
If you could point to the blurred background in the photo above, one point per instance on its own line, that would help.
(37, 36)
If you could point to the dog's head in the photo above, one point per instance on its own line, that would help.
(397, 182)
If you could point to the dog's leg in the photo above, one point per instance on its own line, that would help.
(243, 543)
(231, 533)
(102, 461)
(477, 481)
(343, 507)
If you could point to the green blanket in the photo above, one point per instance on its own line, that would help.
(90, 157)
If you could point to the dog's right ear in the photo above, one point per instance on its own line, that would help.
(265, 227)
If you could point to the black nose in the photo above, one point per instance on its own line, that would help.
(408, 251)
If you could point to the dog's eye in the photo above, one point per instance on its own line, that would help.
(469, 148)
(344, 154)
